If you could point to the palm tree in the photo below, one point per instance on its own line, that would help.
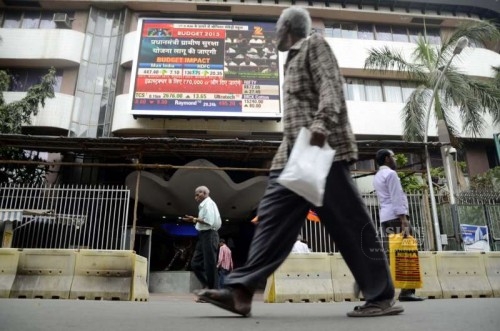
(473, 97)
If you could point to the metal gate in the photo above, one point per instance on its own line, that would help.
(65, 216)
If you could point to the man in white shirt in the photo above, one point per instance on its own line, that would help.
(393, 206)
(300, 247)
(204, 261)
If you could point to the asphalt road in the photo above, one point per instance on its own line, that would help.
(182, 313)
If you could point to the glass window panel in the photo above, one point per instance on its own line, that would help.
(96, 102)
(112, 49)
(105, 49)
(373, 90)
(407, 89)
(434, 36)
(92, 20)
(47, 21)
(90, 78)
(31, 20)
(96, 48)
(86, 108)
(413, 34)
(399, 33)
(87, 46)
(116, 25)
(108, 26)
(328, 32)
(337, 32)
(100, 131)
(92, 131)
(383, 32)
(99, 79)
(349, 31)
(17, 81)
(365, 31)
(355, 90)
(57, 85)
(102, 114)
(12, 20)
(100, 23)
(392, 91)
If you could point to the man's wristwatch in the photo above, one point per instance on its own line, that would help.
(195, 220)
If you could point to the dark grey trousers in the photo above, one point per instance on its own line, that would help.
(204, 261)
(281, 216)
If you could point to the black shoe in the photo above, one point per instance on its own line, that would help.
(410, 297)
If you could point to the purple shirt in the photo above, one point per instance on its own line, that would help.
(392, 199)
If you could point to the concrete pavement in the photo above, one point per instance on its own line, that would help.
(170, 312)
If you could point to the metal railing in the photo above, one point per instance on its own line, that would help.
(320, 241)
(66, 216)
(480, 208)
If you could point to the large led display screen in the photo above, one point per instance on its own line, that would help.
(206, 68)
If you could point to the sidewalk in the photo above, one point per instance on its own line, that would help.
(180, 312)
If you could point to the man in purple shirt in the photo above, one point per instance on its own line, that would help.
(393, 206)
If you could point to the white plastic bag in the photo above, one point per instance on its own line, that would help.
(307, 168)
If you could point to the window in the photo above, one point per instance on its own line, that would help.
(373, 90)
(355, 89)
(407, 89)
(349, 31)
(399, 33)
(413, 34)
(383, 32)
(365, 31)
(12, 20)
(29, 19)
(46, 21)
(434, 36)
(392, 91)
(378, 90)
(22, 79)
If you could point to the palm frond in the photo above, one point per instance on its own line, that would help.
(477, 31)
(451, 126)
(413, 115)
(472, 121)
(487, 96)
(425, 53)
(385, 59)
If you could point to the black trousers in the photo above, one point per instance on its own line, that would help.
(393, 227)
(281, 216)
(204, 261)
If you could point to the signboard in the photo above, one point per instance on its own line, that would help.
(475, 237)
(206, 68)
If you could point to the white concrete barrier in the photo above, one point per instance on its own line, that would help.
(301, 278)
(9, 260)
(44, 274)
(431, 288)
(492, 265)
(103, 275)
(462, 275)
(342, 279)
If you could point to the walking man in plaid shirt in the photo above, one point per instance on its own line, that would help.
(313, 98)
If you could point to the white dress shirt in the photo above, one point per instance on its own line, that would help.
(392, 198)
(209, 213)
(300, 247)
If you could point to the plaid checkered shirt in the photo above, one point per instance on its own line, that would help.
(314, 98)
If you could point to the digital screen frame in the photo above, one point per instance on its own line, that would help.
(206, 68)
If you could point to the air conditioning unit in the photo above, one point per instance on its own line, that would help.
(62, 20)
